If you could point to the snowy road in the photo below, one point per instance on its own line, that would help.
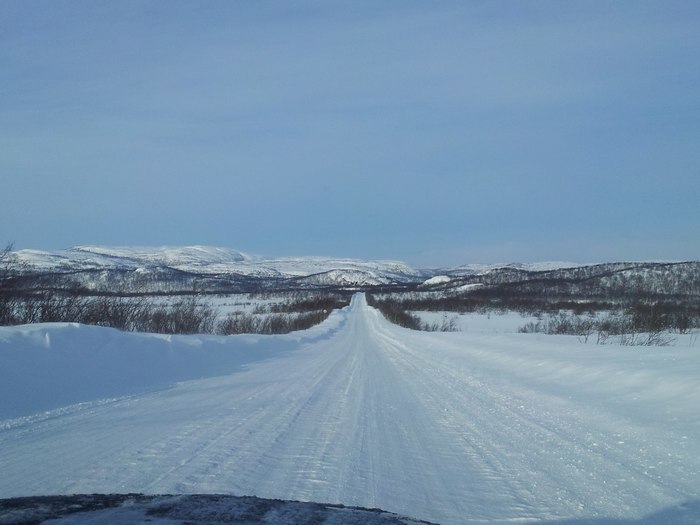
(452, 428)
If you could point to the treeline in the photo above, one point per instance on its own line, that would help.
(165, 312)
(242, 323)
(298, 311)
(483, 300)
(535, 301)
(642, 325)
(187, 315)
(313, 302)
(394, 313)
(621, 284)
(302, 301)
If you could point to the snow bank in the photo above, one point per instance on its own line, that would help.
(51, 365)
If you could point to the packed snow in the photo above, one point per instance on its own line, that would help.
(454, 428)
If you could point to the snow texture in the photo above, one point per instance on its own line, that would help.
(438, 279)
(453, 428)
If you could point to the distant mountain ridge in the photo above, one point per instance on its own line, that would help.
(210, 259)
(132, 269)
(528, 267)
(100, 264)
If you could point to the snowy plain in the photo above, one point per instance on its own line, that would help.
(479, 426)
(495, 322)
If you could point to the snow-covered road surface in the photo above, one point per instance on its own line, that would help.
(447, 427)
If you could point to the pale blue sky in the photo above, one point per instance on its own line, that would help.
(434, 132)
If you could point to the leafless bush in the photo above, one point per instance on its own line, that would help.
(393, 312)
(116, 312)
(187, 316)
(630, 330)
(261, 308)
(311, 303)
(562, 323)
(8, 299)
(445, 325)
(655, 338)
(240, 323)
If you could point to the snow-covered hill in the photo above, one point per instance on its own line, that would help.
(223, 270)
(471, 269)
(208, 260)
(222, 263)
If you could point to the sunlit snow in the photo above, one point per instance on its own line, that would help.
(471, 427)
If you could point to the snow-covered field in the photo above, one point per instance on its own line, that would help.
(494, 322)
(481, 426)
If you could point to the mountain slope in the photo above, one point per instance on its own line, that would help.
(137, 265)
(223, 270)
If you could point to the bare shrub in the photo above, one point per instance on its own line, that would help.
(187, 316)
(116, 312)
(655, 338)
(621, 324)
(393, 312)
(311, 303)
(8, 299)
(240, 323)
(237, 323)
(445, 325)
